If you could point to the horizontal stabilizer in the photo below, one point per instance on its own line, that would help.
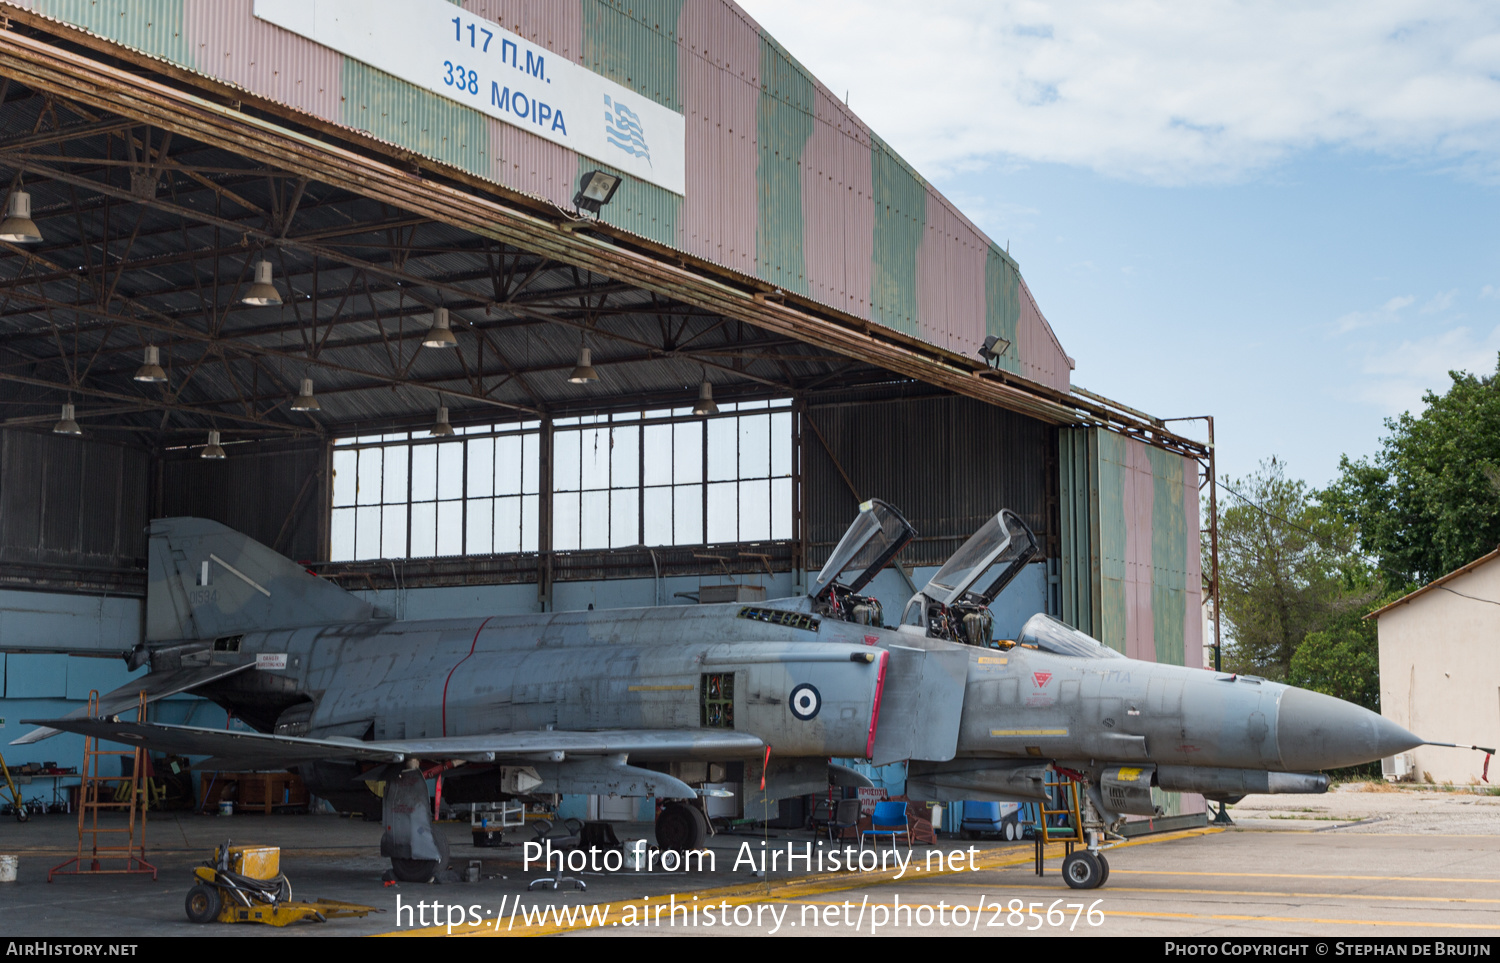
(156, 685)
(274, 751)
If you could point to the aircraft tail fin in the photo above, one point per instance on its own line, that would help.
(206, 581)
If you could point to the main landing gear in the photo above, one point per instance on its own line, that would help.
(681, 826)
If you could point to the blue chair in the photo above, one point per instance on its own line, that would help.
(889, 819)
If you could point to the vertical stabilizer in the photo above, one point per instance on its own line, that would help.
(207, 581)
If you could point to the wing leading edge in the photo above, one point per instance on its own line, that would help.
(533, 746)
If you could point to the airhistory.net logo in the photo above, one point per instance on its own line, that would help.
(622, 128)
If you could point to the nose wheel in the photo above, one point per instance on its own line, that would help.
(1085, 870)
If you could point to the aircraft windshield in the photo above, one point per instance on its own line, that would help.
(872, 541)
(1048, 634)
(986, 563)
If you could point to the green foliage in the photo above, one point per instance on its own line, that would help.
(1342, 661)
(1286, 569)
(1429, 501)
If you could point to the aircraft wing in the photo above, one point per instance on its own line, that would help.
(156, 685)
(273, 751)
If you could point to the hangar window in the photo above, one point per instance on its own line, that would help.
(659, 478)
(395, 496)
(663, 477)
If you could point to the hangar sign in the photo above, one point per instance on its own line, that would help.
(443, 48)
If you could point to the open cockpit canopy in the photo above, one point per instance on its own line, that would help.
(1048, 634)
(986, 563)
(876, 535)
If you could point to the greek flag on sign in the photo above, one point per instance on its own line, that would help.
(622, 128)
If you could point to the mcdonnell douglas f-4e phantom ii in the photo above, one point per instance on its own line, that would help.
(662, 701)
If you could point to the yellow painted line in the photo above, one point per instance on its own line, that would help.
(1245, 892)
(1300, 919)
(781, 892)
(662, 688)
(1397, 879)
(1028, 732)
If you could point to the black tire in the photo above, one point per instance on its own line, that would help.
(1082, 870)
(1103, 870)
(421, 870)
(681, 827)
(202, 904)
(22, 814)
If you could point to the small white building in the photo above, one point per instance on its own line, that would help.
(1440, 668)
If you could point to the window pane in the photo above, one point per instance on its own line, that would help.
(658, 516)
(687, 455)
(507, 524)
(451, 469)
(593, 523)
(755, 446)
(530, 512)
(657, 469)
(723, 443)
(423, 476)
(344, 481)
(687, 515)
(595, 455)
(369, 478)
(722, 510)
(624, 517)
(424, 529)
(341, 547)
(565, 454)
(530, 460)
(781, 443)
(479, 526)
(755, 511)
(450, 528)
(367, 533)
(481, 469)
(395, 477)
(564, 522)
(508, 465)
(781, 508)
(625, 459)
(393, 530)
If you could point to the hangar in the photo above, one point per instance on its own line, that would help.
(290, 273)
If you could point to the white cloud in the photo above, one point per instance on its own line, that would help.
(1387, 313)
(1160, 92)
(1397, 377)
(1441, 301)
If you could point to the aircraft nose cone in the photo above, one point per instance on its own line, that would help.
(1315, 731)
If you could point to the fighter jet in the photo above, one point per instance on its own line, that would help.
(665, 701)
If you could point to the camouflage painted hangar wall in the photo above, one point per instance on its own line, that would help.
(784, 183)
(1131, 568)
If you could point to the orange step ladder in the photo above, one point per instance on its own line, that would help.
(98, 792)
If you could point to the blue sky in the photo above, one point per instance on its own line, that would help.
(1283, 215)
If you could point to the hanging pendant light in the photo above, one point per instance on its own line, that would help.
(151, 371)
(439, 335)
(68, 425)
(705, 405)
(18, 227)
(262, 292)
(305, 401)
(583, 371)
(213, 450)
(441, 428)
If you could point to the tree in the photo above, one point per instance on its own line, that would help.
(1341, 660)
(1429, 501)
(1285, 569)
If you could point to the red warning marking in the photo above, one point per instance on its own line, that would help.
(871, 639)
(1041, 678)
